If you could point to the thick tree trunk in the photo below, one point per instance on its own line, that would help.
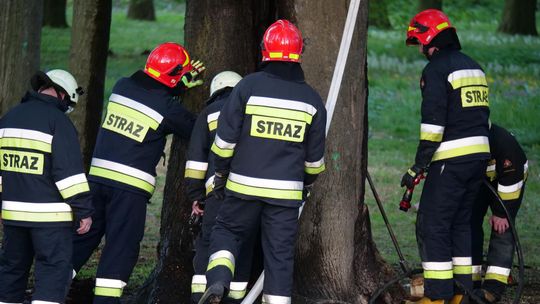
(519, 17)
(141, 10)
(425, 4)
(378, 14)
(220, 33)
(54, 13)
(88, 62)
(20, 40)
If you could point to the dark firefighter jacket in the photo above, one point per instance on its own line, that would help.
(43, 181)
(270, 136)
(199, 172)
(130, 142)
(507, 170)
(455, 109)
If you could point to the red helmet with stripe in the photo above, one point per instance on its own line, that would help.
(167, 63)
(282, 41)
(426, 25)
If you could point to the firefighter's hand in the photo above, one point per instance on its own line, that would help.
(189, 79)
(84, 225)
(197, 208)
(499, 224)
(220, 180)
(408, 178)
(307, 192)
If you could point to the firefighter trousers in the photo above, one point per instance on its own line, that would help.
(237, 289)
(51, 248)
(238, 220)
(500, 254)
(443, 226)
(120, 216)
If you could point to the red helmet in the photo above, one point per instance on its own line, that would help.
(282, 41)
(167, 63)
(426, 25)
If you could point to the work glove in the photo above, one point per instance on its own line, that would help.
(220, 180)
(408, 178)
(189, 78)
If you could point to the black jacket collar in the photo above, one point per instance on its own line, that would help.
(47, 99)
(287, 70)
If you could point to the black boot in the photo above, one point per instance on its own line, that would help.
(213, 294)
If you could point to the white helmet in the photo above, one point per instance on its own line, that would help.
(67, 82)
(223, 80)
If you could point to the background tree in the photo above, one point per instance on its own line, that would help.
(54, 13)
(425, 4)
(88, 61)
(20, 39)
(519, 17)
(141, 10)
(378, 14)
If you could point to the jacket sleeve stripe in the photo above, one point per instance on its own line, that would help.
(510, 192)
(223, 148)
(431, 132)
(195, 169)
(315, 167)
(71, 181)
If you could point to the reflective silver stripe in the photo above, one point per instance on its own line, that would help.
(266, 183)
(477, 269)
(10, 303)
(73, 274)
(0, 180)
(223, 144)
(107, 164)
(270, 299)
(509, 189)
(110, 283)
(498, 270)
(437, 265)
(283, 104)
(222, 254)
(315, 164)
(42, 302)
(526, 167)
(130, 103)
(238, 286)
(462, 261)
(463, 142)
(209, 181)
(26, 134)
(196, 165)
(71, 181)
(491, 168)
(212, 117)
(198, 279)
(429, 128)
(35, 207)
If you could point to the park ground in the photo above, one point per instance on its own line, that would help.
(512, 64)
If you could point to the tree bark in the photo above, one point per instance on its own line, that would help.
(88, 62)
(519, 17)
(20, 40)
(425, 4)
(54, 13)
(141, 10)
(378, 14)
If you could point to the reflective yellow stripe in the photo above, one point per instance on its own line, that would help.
(469, 81)
(197, 174)
(317, 170)
(236, 294)
(275, 54)
(506, 196)
(436, 137)
(122, 178)
(212, 125)
(411, 28)
(153, 72)
(225, 153)
(108, 292)
(221, 262)
(43, 217)
(462, 269)
(497, 277)
(74, 190)
(198, 288)
(26, 143)
(280, 113)
(438, 274)
(442, 26)
(294, 56)
(482, 148)
(264, 192)
(477, 277)
(141, 117)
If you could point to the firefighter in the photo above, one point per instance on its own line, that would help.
(269, 147)
(199, 177)
(142, 110)
(44, 190)
(454, 145)
(507, 172)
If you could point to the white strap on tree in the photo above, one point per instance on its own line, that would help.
(333, 93)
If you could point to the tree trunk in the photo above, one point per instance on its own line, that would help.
(425, 4)
(20, 40)
(88, 62)
(54, 13)
(519, 17)
(378, 14)
(141, 10)
(221, 34)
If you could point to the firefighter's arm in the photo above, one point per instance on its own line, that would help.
(197, 159)
(68, 172)
(510, 185)
(315, 143)
(178, 120)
